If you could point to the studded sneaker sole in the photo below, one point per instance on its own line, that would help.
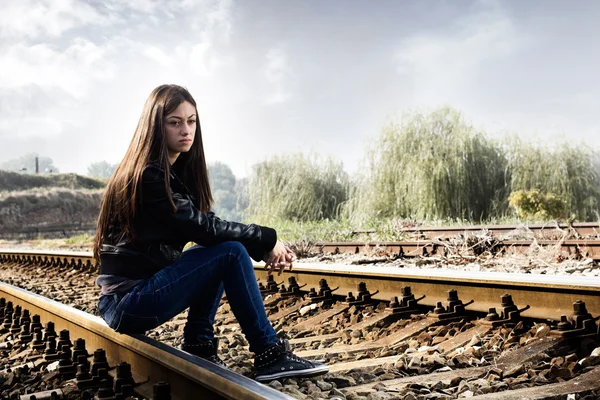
(316, 370)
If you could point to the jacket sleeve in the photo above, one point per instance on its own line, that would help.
(188, 223)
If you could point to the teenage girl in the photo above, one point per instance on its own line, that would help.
(159, 199)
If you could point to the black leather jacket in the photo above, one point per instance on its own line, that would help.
(160, 233)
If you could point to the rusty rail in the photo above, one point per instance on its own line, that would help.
(536, 296)
(151, 361)
(583, 229)
(573, 248)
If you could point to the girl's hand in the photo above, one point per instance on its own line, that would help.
(279, 258)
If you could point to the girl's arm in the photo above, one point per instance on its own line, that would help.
(188, 223)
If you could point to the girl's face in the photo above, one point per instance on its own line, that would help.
(180, 130)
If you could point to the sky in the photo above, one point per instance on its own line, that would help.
(275, 77)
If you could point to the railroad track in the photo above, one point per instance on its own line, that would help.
(579, 249)
(479, 239)
(582, 229)
(385, 332)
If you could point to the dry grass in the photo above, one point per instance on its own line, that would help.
(13, 181)
(41, 207)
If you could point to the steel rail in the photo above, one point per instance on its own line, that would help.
(582, 228)
(151, 361)
(549, 297)
(578, 248)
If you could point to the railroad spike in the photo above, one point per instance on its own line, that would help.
(50, 353)
(406, 304)
(124, 378)
(65, 365)
(455, 309)
(363, 296)
(83, 378)
(492, 315)
(564, 324)
(105, 392)
(161, 391)
(580, 324)
(49, 331)
(64, 339)
(38, 343)
(325, 293)
(83, 360)
(79, 350)
(509, 315)
(15, 327)
(99, 362)
(25, 336)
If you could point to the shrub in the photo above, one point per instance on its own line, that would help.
(566, 171)
(296, 188)
(433, 166)
(533, 204)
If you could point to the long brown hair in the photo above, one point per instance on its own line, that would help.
(121, 197)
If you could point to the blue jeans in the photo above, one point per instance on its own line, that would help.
(197, 280)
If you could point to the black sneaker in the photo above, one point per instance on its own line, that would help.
(278, 361)
(206, 350)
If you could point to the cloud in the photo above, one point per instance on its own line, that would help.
(33, 111)
(72, 69)
(442, 64)
(280, 76)
(32, 19)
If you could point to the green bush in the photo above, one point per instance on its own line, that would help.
(567, 172)
(533, 204)
(433, 166)
(296, 188)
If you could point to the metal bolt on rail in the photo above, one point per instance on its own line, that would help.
(79, 349)
(325, 293)
(580, 324)
(6, 323)
(35, 323)
(105, 393)
(161, 391)
(50, 353)
(63, 339)
(25, 318)
(49, 331)
(84, 379)
(65, 366)
(15, 327)
(38, 343)
(509, 315)
(271, 287)
(25, 336)
(99, 361)
(363, 296)
(455, 309)
(406, 304)
(292, 290)
(17, 312)
(105, 379)
(83, 360)
(9, 307)
(124, 377)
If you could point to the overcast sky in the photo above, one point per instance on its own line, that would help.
(273, 77)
